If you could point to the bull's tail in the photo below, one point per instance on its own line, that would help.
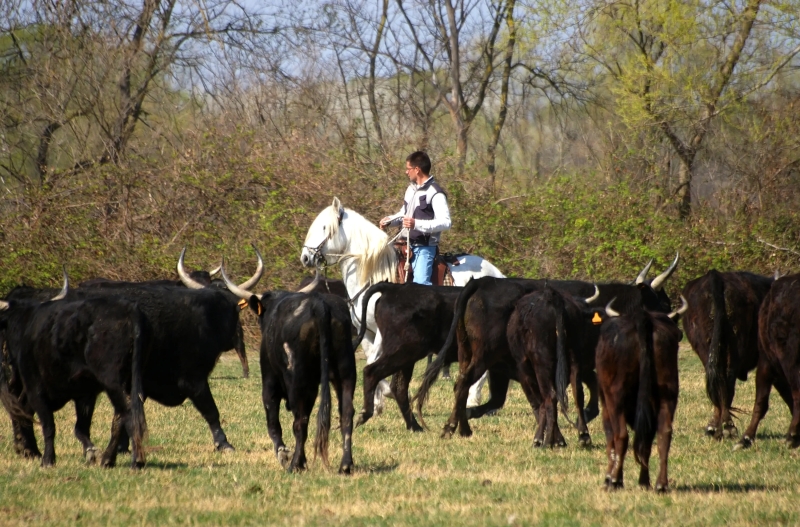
(377, 288)
(646, 421)
(435, 367)
(141, 339)
(323, 316)
(562, 361)
(717, 364)
(10, 402)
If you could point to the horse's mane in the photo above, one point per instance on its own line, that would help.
(366, 245)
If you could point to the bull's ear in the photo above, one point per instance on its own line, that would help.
(255, 305)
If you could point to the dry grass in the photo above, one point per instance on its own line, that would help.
(494, 478)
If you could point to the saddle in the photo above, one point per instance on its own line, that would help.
(441, 270)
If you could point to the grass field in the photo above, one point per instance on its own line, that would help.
(493, 478)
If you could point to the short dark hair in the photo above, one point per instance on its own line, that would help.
(420, 160)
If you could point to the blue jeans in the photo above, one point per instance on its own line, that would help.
(422, 263)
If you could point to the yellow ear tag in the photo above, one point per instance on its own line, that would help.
(242, 304)
(596, 319)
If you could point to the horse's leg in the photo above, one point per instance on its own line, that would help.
(475, 391)
(498, 390)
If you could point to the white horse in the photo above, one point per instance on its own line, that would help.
(366, 256)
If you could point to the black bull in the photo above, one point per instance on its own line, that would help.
(722, 326)
(482, 312)
(63, 350)
(190, 328)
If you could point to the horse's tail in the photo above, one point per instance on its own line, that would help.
(433, 369)
(322, 315)
(377, 288)
(718, 349)
(645, 424)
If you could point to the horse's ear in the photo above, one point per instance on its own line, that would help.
(339, 209)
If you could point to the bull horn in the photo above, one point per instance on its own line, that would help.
(643, 274)
(233, 288)
(259, 271)
(595, 296)
(64, 289)
(310, 287)
(610, 312)
(778, 274)
(658, 281)
(185, 278)
(3, 305)
(215, 270)
(681, 310)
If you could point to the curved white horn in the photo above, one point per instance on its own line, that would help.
(233, 288)
(4, 305)
(681, 310)
(215, 270)
(595, 296)
(64, 289)
(658, 281)
(184, 276)
(310, 287)
(643, 273)
(610, 312)
(259, 271)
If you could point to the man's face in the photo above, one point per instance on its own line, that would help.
(412, 172)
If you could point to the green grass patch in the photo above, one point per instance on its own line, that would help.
(492, 478)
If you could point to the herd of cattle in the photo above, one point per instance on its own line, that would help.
(162, 339)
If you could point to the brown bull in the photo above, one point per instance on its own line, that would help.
(722, 326)
(779, 359)
(637, 371)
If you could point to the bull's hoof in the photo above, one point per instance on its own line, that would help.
(465, 431)
(137, 465)
(361, 418)
(284, 457)
(48, 462)
(29, 453)
(744, 442)
(224, 447)
(729, 431)
(447, 431)
(537, 443)
(585, 440)
(662, 488)
(560, 443)
(793, 441)
(90, 455)
(346, 469)
(415, 427)
(612, 485)
(108, 462)
(711, 431)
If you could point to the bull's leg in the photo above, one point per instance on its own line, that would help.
(714, 424)
(584, 438)
(84, 409)
(48, 428)
(241, 352)
(665, 417)
(530, 387)
(24, 436)
(610, 452)
(726, 420)
(620, 447)
(302, 412)
(592, 409)
(498, 390)
(400, 382)
(793, 438)
(204, 402)
(458, 418)
(271, 398)
(123, 419)
(764, 376)
(345, 393)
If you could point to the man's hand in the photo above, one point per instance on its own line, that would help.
(408, 223)
(384, 223)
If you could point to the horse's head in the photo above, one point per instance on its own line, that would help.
(325, 238)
